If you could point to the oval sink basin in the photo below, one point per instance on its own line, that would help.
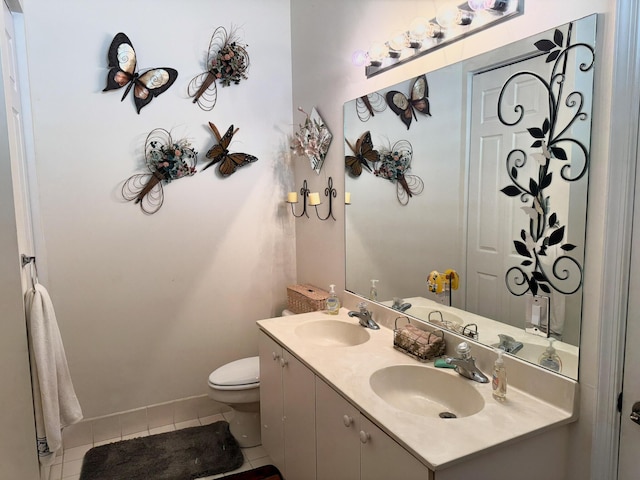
(426, 391)
(332, 333)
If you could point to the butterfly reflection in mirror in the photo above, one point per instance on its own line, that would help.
(166, 160)
(406, 107)
(395, 163)
(122, 71)
(363, 155)
(368, 105)
(227, 61)
(219, 153)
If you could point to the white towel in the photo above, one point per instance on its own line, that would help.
(55, 403)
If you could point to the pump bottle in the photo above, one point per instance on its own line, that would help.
(499, 380)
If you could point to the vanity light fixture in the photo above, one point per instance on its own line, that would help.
(452, 22)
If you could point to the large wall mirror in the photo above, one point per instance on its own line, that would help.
(495, 155)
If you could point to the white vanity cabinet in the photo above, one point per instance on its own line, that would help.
(287, 410)
(350, 447)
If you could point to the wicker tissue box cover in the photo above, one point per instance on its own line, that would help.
(306, 298)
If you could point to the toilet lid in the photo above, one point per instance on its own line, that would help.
(245, 371)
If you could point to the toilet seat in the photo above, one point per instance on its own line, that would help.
(240, 374)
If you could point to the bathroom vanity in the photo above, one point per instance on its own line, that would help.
(339, 402)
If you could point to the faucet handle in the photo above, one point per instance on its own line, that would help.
(463, 349)
(362, 306)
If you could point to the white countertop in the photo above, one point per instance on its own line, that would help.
(437, 442)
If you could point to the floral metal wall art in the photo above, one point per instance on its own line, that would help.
(227, 61)
(122, 71)
(219, 153)
(553, 145)
(312, 139)
(394, 165)
(167, 160)
(363, 156)
(405, 106)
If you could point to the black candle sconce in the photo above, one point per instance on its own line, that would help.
(313, 199)
(292, 197)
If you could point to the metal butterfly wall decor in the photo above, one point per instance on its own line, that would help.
(219, 153)
(122, 71)
(406, 107)
(395, 163)
(166, 160)
(368, 105)
(227, 61)
(363, 155)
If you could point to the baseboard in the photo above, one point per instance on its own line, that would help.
(120, 424)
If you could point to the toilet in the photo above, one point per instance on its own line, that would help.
(237, 384)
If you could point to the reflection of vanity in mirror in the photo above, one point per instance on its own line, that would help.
(503, 158)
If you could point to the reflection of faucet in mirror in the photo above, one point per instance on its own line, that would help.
(400, 305)
(466, 364)
(365, 317)
(508, 343)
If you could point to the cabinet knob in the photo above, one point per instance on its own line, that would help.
(347, 420)
(283, 362)
(364, 436)
(275, 355)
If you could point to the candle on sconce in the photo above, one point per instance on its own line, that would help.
(292, 197)
(347, 198)
(314, 198)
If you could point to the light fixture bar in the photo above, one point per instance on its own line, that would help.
(442, 30)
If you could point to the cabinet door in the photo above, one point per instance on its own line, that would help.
(337, 439)
(383, 459)
(271, 399)
(298, 384)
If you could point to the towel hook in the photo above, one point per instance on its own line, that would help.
(26, 260)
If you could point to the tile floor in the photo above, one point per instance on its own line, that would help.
(68, 464)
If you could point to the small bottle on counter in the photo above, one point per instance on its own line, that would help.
(499, 380)
(333, 302)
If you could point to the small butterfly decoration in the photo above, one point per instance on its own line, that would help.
(368, 105)
(406, 107)
(395, 163)
(363, 155)
(122, 71)
(227, 61)
(219, 153)
(167, 160)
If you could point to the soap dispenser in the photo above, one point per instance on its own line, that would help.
(333, 303)
(499, 380)
(373, 292)
(550, 359)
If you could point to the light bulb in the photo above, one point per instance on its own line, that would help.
(359, 58)
(418, 31)
(377, 53)
(447, 15)
(477, 5)
(398, 41)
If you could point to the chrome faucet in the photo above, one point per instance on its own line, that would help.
(509, 344)
(400, 305)
(466, 364)
(365, 317)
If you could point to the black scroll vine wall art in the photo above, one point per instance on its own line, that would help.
(553, 145)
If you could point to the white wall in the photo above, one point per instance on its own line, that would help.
(324, 35)
(148, 306)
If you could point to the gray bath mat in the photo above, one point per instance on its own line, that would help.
(181, 455)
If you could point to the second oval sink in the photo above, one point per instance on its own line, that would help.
(332, 333)
(426, 391)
